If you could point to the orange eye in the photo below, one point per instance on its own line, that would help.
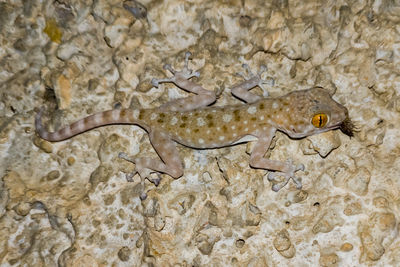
(319, 120)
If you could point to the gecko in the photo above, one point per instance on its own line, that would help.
(194, 122)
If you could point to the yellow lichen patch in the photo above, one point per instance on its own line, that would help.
(63, 89)
(52, 30)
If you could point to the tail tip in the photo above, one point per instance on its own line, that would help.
(38, 123)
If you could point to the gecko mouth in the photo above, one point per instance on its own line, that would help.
(347, 127)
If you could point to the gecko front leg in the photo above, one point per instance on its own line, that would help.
(242, 89)
(287, 170)
(288, 174)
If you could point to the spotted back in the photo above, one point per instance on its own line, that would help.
(298, 114)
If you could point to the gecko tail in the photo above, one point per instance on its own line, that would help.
(40, 130)
(115, 116)
(59, 135)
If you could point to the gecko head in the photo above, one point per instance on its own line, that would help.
(316, 112)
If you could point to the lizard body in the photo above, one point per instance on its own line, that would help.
(193, 123)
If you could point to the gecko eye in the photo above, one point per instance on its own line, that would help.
(319, 120)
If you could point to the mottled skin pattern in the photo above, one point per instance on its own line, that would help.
(191, 122)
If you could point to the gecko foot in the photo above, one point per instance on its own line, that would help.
(184, 74)
(144, 174)
(257, 76)
(290, 174)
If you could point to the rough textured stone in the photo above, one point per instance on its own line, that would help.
(69, 203)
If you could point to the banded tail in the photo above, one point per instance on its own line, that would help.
(115, 116)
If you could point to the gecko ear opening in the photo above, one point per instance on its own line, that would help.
(319, 120)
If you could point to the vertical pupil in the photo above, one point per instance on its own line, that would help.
(319, 120)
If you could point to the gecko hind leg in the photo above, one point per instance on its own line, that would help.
(185, 73)
(143, 174)
(169, 161)
(252, 80)
(181, 78)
